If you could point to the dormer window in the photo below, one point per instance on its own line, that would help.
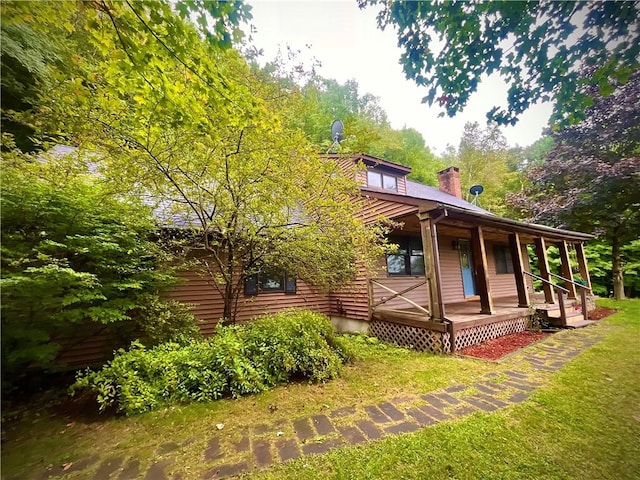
(377, 179)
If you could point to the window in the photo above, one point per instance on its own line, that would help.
(381, 180)
(504, 264)
(408, 259)
(268, 282)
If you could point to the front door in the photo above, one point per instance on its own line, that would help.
(466, 264)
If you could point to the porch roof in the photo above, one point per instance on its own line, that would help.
(488, 219)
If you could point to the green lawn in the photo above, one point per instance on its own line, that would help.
(584, 423)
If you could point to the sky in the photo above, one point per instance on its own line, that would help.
(349, 45)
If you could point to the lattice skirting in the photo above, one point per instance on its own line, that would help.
(422, 339)
(416, 338)
(475, 335)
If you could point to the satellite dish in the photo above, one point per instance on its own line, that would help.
(337, 127)
(475, 191)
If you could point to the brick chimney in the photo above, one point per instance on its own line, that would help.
(449, 180)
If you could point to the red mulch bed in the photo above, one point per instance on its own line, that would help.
(498, 347)
(600, 312)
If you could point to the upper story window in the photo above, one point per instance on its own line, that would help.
(381, 180)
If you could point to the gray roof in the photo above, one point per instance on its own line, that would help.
(427, 192)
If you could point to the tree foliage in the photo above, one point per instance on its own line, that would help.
(38, 43)
(367, 128)
(194, 130)
(72, 254)
(484, 158)
(538, 48)
(590, 179)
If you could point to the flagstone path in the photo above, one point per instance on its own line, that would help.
(259, 447)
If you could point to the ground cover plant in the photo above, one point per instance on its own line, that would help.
(238, 360)
(582, 423)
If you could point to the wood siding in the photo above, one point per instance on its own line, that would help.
(374, 208)
(91, 345)
(208, 305)
(450, 272)
(503, 284)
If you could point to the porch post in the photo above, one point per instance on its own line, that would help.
(482, 272)
(582, 264)
(432, 267)
(543, 266)
(566, 269)
(518, 268)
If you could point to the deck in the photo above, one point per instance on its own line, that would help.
(461, 314)
(464, 325)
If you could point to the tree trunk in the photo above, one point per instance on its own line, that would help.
(228, 315)
(618, 278)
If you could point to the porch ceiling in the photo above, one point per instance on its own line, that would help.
(462, 219)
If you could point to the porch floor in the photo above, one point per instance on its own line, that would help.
(462, 314)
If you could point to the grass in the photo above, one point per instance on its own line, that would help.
(585, 423)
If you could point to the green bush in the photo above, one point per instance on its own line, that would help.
(75, 255)
(237, 361)
(164, 320)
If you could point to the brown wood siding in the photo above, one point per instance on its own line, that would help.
(91, 345)
(374, 208)
(208, 305)
(351, 301)
(503, 284)
(450, 272)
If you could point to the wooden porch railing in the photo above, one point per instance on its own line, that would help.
(373, 305)
(583, 294)
(560, 290)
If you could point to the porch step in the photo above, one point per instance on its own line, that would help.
(579, 323)
(573, 318)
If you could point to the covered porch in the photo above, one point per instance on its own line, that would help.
(496, 305)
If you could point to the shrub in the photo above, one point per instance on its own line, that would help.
(235, 362)
(160, 321)
(73, 254)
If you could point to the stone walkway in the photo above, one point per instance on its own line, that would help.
(264, 445)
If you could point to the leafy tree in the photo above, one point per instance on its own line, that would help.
(367, 129)
(73, 253)
(483, 158)
(28, 60)
(538, 48)
(39, 44)
(590, 179)
(192, 128)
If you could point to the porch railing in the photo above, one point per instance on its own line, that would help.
(583, 293)
(373, 304)
(560, 290)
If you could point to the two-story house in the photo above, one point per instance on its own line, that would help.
(461, 275)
